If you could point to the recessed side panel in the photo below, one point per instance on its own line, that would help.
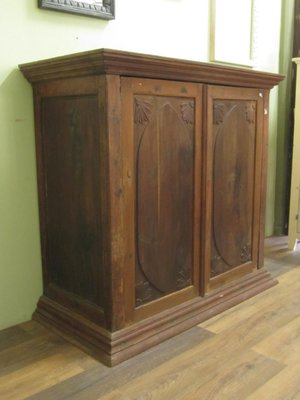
(70, 143)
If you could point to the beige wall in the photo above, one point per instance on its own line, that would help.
(178, 28)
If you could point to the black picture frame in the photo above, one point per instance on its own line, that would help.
(104, 9)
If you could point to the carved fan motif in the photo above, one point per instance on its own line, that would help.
(219, 112)
(216, 263)
(187, 112)
(183, 280)
(144, 293)
(142, 111)
(250, 113)
(245, 253)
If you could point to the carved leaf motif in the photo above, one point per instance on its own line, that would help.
(183, 279)
(219, 112)
(245, 253)
(187, 112)
(144, 293)
(216, 265)
(250, 113)
(142, 111)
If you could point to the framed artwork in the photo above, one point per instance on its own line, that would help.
(232, 26)
(104, 9)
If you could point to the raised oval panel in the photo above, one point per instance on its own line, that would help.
(233, 183)
(164, 163)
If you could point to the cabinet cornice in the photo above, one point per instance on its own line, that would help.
(106, 61)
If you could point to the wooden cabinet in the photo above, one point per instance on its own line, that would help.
(151, 175)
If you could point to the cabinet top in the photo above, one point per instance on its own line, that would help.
(114, 62)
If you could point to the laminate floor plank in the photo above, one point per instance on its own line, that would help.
(29, 352)
(206, 356)
(285, 386)
(278, 267)
(92, 384)
(34, 329)
(231, 377)
(37, 376)
(236, 378)
(270, 301)
(283, 344)
(11, 337)
(276, 249)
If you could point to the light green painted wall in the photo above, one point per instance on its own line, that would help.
(284, 115)
(178, 28)
(267, 42)
(20, 272)
(272, 154)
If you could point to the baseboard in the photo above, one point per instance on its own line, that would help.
(111, 348)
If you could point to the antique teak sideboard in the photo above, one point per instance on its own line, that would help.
(152, 179)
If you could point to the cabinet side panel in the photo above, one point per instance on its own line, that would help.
(70, 145)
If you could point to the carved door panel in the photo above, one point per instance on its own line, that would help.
(161, 140)
(233, 183)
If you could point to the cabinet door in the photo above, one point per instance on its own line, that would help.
(233, 183)
(161, 145)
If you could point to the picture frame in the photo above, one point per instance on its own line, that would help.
(232, 32)
(104, 9)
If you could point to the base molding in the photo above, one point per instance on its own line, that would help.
(112, 348)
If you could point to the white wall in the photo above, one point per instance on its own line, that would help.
(177, 28)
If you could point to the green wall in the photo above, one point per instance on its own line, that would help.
(163, 27)
(284, 115)
(20, 272)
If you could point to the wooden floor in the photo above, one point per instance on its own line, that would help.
(251, 351)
